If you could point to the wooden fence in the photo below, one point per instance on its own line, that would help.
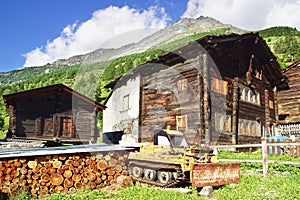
(277, 149)
(267, 147)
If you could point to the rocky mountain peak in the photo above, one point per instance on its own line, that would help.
(179, 29)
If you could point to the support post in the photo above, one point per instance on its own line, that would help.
(235, 105)
(206, 105)
(275, 91)
(264, 156)
(267, 113)
(201, 114)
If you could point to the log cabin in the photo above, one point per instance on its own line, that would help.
(55, 113)
(289, 104)
(217, 89)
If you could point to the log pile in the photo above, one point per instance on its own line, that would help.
(45, 175)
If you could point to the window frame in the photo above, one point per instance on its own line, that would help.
(126, 102)
(220, 86)
(183, 119)
(182, 85)
(247, 95)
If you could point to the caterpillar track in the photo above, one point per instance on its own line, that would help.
(156, 174)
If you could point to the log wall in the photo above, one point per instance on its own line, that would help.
(53, 115)
(164, 99)
(288, 100)
(161, 102)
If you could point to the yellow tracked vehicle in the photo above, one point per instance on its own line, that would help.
(168, 161)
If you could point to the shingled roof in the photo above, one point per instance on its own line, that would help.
(61, 87)
(229, 46)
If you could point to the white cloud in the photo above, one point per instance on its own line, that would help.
(287, 13)
(248, 14)
(104, 24)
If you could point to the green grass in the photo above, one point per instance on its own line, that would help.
(257, 155)
(255, 187)
(131, 193)
(279, 186)
(251, 187)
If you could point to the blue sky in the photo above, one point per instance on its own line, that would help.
(36, 32)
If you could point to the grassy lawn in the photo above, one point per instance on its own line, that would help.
(258, 166)
(285, 184)
(251, 187)
(255, 187)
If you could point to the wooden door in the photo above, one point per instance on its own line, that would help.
(66, 125)
(48, 129)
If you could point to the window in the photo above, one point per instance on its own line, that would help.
(243, 95)
(227, 125)
(48, 127)
(222, 122)
(126, 103)
(220, 86)
(254, 128)
(253, 98)
(66, 126)
(241, 127)
(182, 85)
(271, 104)
(181, 122)
(258, 98)
(249, 95)
(249, 127)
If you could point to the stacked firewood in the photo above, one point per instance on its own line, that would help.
(45, 175)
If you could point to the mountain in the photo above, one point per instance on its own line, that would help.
(180, 29)
(17, 76)
(176, 31)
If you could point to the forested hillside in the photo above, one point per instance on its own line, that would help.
(284, 43)
(90, 79)
(17, 76)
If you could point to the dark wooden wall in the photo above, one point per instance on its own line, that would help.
(289, 104)
(161, 102)
(54, 114)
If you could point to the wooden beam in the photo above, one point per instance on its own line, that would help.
(206, 106)
(201, 97)
(267, 112)
(201, 113)
(276, 104)
(235, 110)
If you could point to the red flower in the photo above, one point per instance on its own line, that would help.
(197, 140)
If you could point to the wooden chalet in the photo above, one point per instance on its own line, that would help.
(54, 113)
(218, 89)
(288, 102)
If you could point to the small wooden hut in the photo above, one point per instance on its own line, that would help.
(54, 113)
